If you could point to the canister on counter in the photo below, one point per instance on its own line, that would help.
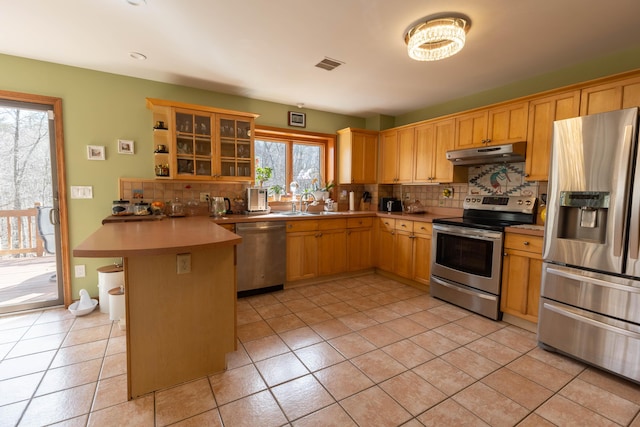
(121, 207)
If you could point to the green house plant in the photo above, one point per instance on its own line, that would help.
(263, 174)
(276, 191)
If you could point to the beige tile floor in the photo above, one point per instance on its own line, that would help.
(364, 351)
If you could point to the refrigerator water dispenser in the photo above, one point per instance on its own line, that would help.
(583, 216)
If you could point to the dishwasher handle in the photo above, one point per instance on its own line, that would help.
(260, 225)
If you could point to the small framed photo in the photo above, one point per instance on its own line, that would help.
(125, 146)
(95, 152)
(297, 119)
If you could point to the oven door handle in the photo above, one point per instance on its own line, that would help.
(462, 290)
(468, 232)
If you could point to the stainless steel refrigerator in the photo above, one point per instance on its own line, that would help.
(590, 296)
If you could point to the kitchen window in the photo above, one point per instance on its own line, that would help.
(300, 157)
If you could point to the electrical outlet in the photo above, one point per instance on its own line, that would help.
(184, 263)
(80, 271)
(407, 195)
(204, 197)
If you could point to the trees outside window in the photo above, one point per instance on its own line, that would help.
(290, 161)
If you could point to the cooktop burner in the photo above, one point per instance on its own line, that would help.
(494, 212)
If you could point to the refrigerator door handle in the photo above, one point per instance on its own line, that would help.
(592, 280)
(581, 318)
(634, 227)
(621, 190)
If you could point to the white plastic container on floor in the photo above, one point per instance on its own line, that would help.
(109, 277)
(116, 304)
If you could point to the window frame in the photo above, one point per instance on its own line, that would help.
(328, 141)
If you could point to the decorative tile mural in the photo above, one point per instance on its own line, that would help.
(501, 179)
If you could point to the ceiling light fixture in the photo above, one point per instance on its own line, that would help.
(136, 2)
(436, 39)
(137, 55)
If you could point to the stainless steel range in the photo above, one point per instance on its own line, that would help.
(466, 259)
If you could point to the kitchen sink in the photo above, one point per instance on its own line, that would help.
(296, 213)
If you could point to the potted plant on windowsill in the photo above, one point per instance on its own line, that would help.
(276, 192)
(263, 174)
(321, 192)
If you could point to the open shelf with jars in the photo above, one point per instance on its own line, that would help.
(199, 142)
(162, 141)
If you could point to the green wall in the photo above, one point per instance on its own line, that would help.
(612, 64)
(100, 108)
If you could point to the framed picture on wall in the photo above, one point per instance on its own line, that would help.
(125, 146)
(95, 152)
(297, 119)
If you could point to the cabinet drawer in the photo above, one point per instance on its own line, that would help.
(359, 222)
(405, 225)
(332, 224)
(387, 224)
(420, 227)
(523, 242)
(305, 225)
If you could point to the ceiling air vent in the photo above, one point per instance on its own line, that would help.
(329, 64)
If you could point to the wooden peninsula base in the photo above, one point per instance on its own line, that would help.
(179, 326)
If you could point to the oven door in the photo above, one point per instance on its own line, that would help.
(470, 256)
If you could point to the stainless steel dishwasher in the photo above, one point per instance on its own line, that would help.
(261, 257)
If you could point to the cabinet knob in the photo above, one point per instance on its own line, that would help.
(505, 254)
(403, 225)
(525, 243)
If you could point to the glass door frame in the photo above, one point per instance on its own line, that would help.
(58, 180)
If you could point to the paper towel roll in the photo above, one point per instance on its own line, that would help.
(352, 201)
(109, 277)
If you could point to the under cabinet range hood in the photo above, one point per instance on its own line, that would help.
(506, 153)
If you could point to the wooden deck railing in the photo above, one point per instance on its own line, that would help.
(20, 233)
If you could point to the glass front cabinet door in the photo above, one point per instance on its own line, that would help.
(194, 143)
(236, 147)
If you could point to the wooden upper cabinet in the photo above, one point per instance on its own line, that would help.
(610, 96)
(491, 126)
(508, 123)
(432, 141)
(357, 156)
(542, 113)
(195, 142)
(471, 129)
(396, 156)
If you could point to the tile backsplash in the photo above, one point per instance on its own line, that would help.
(499, 179)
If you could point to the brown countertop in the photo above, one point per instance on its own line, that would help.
(531, 230)
(170, 235)
(285, 216)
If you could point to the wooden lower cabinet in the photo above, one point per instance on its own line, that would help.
(302, 255)
(332, 252)
(316, 248)
(421, 252)
(359, 243)
(404, 248)
(521, 274)
(385, 247)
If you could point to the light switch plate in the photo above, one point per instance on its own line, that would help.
(81, 192)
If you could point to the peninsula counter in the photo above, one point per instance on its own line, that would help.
(179, 326)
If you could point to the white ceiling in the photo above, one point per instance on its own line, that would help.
(267, 49)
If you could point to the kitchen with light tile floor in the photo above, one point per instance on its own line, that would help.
(363, 351)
